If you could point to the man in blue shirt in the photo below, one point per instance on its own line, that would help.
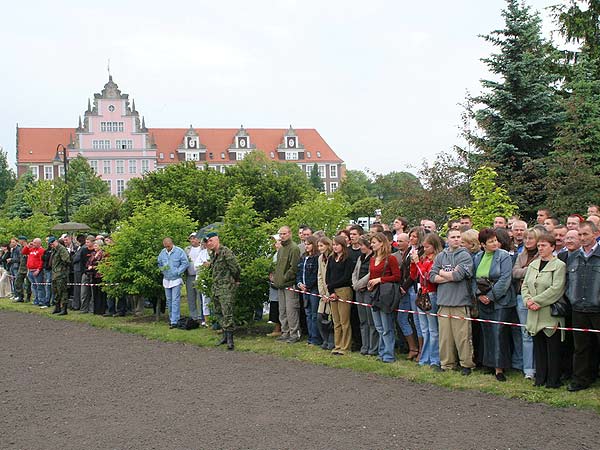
(172, 262)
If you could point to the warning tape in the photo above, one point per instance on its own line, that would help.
(449, 316)
(78, 284)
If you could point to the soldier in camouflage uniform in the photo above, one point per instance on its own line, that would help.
(22, 284)
(226, 277)
(60, 262)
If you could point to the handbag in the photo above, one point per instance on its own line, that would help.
(561, 308)
(484, 285)
(386, 296)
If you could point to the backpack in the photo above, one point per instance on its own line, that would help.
(187, 323)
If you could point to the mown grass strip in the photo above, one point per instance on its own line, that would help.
(254, 340)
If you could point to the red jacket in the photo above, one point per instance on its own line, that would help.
(392, 271)
(425, 264)
(34, 258)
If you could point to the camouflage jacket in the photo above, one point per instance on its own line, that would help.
(60, 262)
(226, 270)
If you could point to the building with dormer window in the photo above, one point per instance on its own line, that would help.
(114, 138)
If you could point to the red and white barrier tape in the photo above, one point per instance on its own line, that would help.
(450, 316)
(78, 284)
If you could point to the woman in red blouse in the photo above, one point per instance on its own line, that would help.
(383, 268)
(419, 271)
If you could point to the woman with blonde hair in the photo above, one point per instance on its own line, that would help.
(324, 322)
(419, 271)
(383, 268)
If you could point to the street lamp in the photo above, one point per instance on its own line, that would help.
(64, 160)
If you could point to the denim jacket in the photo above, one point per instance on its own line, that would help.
(172, 265)
(583, 281)
(308, 268)
(502, 293)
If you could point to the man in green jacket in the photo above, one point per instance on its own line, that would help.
(226, 274)
(60, 262)
(284, 277)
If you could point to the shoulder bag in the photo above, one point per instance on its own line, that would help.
(423, 301)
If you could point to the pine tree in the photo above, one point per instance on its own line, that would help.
(15, 205)
(520, 110)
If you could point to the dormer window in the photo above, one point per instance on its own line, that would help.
(161, 156)
(172, 155)
(222, 155)
(291, 156)
(272, 155)
(211, 155)
(308, 155)
(318, 154)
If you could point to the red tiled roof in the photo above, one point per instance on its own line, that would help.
(39, 144)
(218, 140)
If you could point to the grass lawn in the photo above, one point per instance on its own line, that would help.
(254, 340)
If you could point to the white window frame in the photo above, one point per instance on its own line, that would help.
(308, 170)
(106, 167)
(120, 187)
(161, 155)
(145, 166)
(94, 165)
(35, 171)
(120, 166)
(109, 184)
(132, 166)
(322, 172)
(61, 171)
(48, 173)
(192, 156)
(333, 186)
(333, 172)
(291, 156)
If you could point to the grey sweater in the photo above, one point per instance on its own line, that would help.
(457, 292)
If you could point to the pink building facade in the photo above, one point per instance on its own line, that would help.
(114, 139)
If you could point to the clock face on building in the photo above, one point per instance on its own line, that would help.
(191, 142)
(291, 143)
(111, 108)
(242, 142)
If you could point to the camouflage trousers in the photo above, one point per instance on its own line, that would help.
(60, 290)
(222, 301)
(23, 287)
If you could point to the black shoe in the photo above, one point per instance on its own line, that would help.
(173, 325)
(223, 339)
(500, 376)
(63, 311)
(465, 371)
(436, 368)
(574, 387)
(554, 386)
(56, 309)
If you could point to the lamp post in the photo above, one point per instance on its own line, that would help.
(65, 162)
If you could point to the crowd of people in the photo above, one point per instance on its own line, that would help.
(382, 292)
(392, 289)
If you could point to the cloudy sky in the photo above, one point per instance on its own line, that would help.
(380, 80)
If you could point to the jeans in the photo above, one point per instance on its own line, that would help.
(403, 317)
(526, 339)
(173, 303)
(48, 296)
(412, 294)
(194, 297)
(38, 289)
(431, 337)
(14, 271)
(314, 337)
(384, 324)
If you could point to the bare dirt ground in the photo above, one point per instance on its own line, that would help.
(70, 386)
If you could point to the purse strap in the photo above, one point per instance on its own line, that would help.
(422, 276)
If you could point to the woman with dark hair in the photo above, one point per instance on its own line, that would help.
(399, 226)
(324, 322)
(524, 259)
(493, 272)
(94, 259)
(306, 280)
(383, 268)
(338, 280)
(419, 271)
(360, 278)
(504, 239)
(544, 285)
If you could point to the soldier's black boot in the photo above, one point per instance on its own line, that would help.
(56, 308)
(63, 311)
(223, 339)
(229, 340)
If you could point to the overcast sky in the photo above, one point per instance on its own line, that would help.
(380, 80)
